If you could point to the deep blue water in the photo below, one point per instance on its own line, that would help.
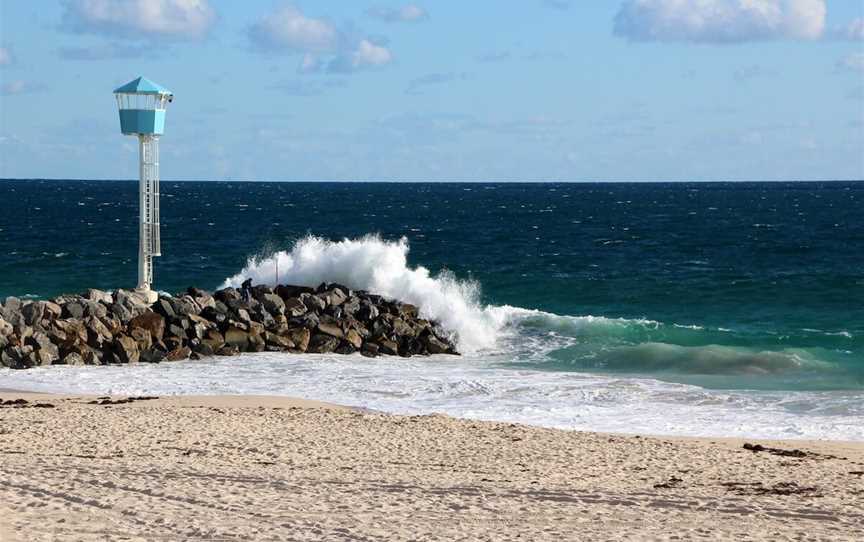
(742, 284)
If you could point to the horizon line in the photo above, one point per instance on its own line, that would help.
(446, 181)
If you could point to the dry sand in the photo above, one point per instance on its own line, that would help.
(258, 468)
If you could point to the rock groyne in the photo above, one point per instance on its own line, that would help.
(101, 328)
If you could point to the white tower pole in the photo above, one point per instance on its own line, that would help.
(149, 243)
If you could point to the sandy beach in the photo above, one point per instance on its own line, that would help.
(266, 468)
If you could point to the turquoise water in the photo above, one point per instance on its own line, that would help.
(738, 286)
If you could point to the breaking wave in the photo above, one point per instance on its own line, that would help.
(536, 338)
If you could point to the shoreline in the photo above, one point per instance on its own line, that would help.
(284, 401)
(251, 467)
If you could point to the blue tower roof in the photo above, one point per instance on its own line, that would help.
(142, 85)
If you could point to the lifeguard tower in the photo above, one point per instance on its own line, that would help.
(142, 105)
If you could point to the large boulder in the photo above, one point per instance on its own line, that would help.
(45, 352)
(279, 341)
(11, 310)
(136, 302)
(388, 347)
(288, 291)
(330, 326)
(6, 328)
(74, 309)
(98, 295)
(435, 345)
(126, 349)
(322, 344)
(237, 338)
(226, 295)
(152, 322)
(294, 307)
(300, 337)
(367, 311)
(98, 333)
(51, 311)
(73, 358)
(179, 354)
(272, 303)
(313, 303)
(354, 339)
(257, 343)
(32, 312)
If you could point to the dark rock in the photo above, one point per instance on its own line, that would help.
(152, 322)
(435, 345)
(256, 343)
(226, 295)
(179, 354)
(45, 351)
(121, 312)
(98, 333)
(95, 309)
(294, 307)
(142, 338)
(367, 311)
(14, 357)
(345, 348)
(98, 295)
(6, 328)
(73, 358)
(281, 341)
(331, 328)
(300, 337)
(351, 306)
(204, 349)
(272, 303)
(322, 344)
(152, 355)
(408, 311)
(237, 337)
(214, 315)
(354, 339)
(388, 347)
(52, 311)
(309, 321)
(164, 307)
(228, 350)
(11, 311)
(288, 291)
(313, 303)
(402, 328)
(177, 330)
(73, 309)
(32, 312)
(126, 349)
(334, 311)
(370, 350)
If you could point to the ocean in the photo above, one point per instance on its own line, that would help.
(721, 309)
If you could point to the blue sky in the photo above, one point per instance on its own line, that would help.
(440, 89)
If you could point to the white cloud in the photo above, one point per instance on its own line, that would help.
(720, 21)
(172, 18)
(410, 13)
(369, 54)
(322, 44)
(5, 56)
(288, 28)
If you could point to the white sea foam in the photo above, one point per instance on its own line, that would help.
(479, 388)
(381, 267)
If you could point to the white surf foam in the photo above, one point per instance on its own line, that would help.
(381, 267)
(478, 388)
